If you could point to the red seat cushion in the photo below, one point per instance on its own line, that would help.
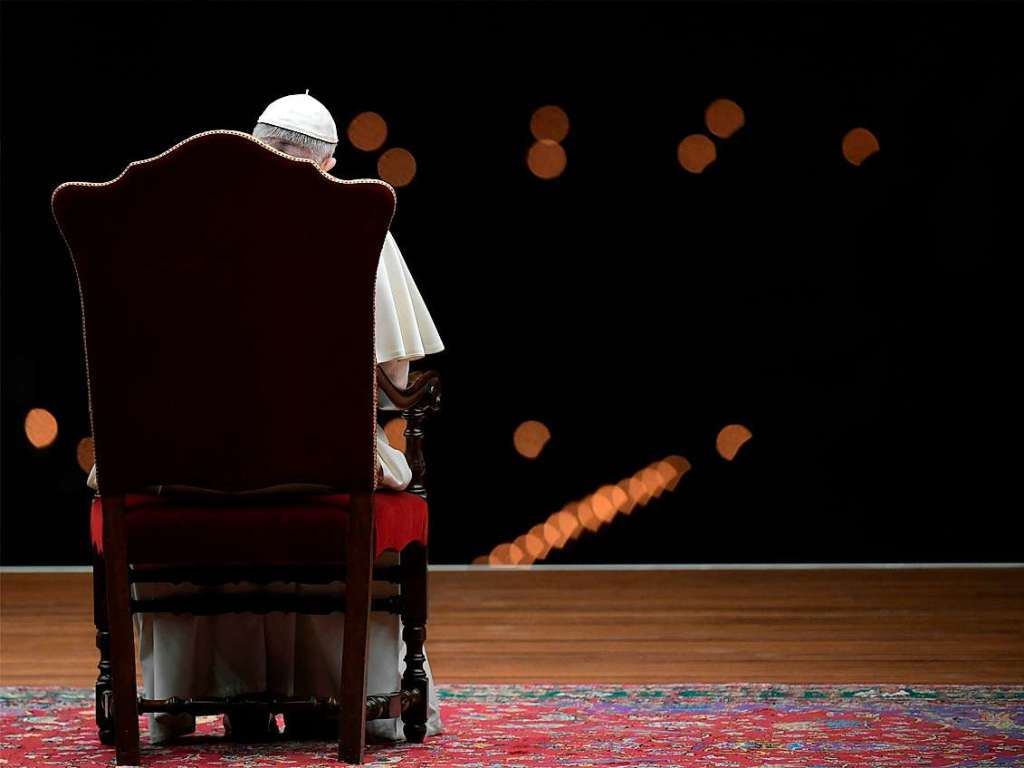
(300, 530)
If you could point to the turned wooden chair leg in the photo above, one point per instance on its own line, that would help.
(358, 578)
(122, 641)
(104, 722)
(414, 632)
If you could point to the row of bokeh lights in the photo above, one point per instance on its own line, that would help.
(600, 507)
(41, 430)
(368, 131)
(589, 513)
(546, 158)
(529, 440)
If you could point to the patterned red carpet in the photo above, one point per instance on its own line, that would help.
(537, 726)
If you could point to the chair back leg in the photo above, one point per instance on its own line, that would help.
(414, 632)
(122, 641)
(358, 578)
(104, 722)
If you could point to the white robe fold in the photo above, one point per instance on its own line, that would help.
(291, 654)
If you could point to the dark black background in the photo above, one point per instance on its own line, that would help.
(856, 319)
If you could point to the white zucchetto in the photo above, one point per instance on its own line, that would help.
(302, 113)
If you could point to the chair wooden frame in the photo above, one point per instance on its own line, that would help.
(111, 587)
(211, 216)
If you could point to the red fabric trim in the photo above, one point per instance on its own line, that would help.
(298, 530)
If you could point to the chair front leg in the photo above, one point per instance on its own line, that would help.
(414, 632)
(104, 721)
(122, 641)
(358, 578)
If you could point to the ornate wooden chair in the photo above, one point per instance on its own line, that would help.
(227, 295)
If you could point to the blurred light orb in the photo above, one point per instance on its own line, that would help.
(553, 534)
(604, 509)
(681, 465)
(516, 556)
(546, 159)
(550, 123)
(501, 554)
(859, 144)
(616, 495)
(395, 431)
(86, 454)
(367, 131)
(653, 480)
(724, 117)
(730, 439)
(627, 491)
(573, 511)
(521, 542)
(397, 167)
(40, 427)
(568, 524)
(532, 544)
(530, 438)
(669, 474)
(537, 540)
(481, 560)
(585, 513)
(638, 491)
(696, 152)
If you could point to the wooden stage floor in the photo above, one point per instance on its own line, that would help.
(783, 626)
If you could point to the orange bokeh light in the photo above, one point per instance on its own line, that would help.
(696, 152)
(586, 515)
(859, 144)
(553, 535)
(653, 480)
(669, 474)
(367, 131)
(617, 496)
(516, 555)
(533, 545)
(537, 542)
(523, 543)
(627, 490)
(730, 439)
(86, 454)
(638, 491)
(500, 554)
(682, 466)
(568, 524)
(397, 167)
(395, 431)
(573, 511)
(604, 509)
(530, 438)
(724, 117)
(549, 123)
(546, 159)
(40, 427)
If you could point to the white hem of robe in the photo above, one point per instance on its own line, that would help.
(218, 655)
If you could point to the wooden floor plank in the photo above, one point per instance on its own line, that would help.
(827, 626)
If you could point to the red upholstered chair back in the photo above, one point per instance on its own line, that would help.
(227, 304)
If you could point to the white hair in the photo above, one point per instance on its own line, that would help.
(321, 149)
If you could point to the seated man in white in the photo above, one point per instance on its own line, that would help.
(292, 654)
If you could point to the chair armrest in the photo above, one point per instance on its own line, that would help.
(421, 397)
(424, 390)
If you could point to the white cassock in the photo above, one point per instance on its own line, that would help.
(286, 653)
